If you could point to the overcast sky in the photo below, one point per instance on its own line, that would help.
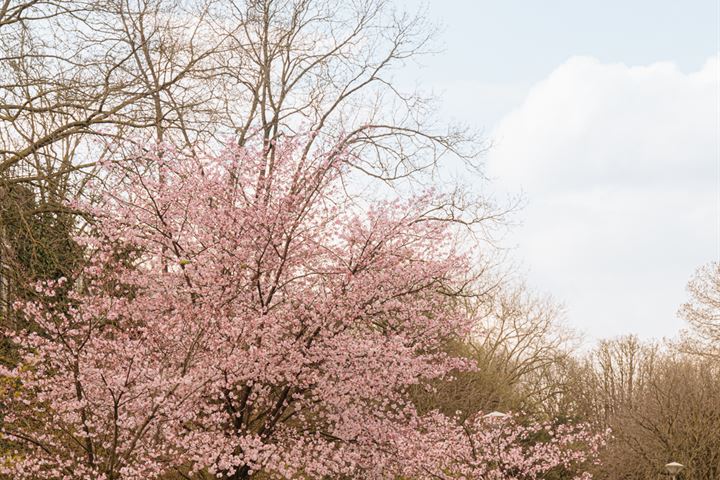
(606, 115)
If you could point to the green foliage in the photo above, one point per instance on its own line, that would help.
(36, 243)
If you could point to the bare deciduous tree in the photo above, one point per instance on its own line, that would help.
(662, 406)
(327, 67)
(702, 312)
(517, 345)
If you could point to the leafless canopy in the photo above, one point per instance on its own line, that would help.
(702, 311)
(88, 80)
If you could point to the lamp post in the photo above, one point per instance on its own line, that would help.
(674, 468)
(497, 417)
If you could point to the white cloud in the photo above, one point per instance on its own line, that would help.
(620, 169)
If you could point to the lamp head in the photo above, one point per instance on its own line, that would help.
(674, 468)
(496, 415)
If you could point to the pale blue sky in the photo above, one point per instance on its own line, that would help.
(511, 44)
(507, 40)
(605, 114)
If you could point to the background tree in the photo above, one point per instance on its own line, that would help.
(661, 404)
(38, 244)
(516, 343)
(702, 312)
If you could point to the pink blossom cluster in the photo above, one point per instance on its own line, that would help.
(239, 314)
(502, 448)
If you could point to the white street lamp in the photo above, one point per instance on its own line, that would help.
(496, 414)
(674, 468)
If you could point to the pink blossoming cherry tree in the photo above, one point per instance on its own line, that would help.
(241, 314)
